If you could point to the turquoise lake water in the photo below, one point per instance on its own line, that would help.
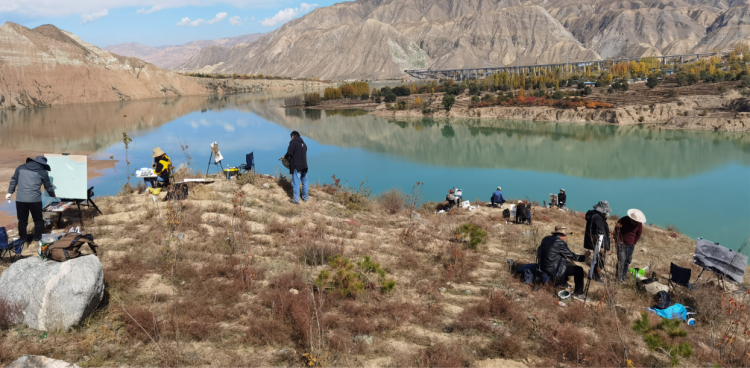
(697, 181)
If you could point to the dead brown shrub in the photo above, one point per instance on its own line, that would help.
(566, 344)
(267, 331)
(392, 200)
(439, 355)
(575, 313)
(507, 347)
(140, 323)
(496, 307)
(276, 226)
(288, 307)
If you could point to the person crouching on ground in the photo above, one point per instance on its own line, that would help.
(453, 201)
(553, 256)
(561, 199)
(497, 198)
(162, 167)
(28, 178)
(628, 231)
(297, 156)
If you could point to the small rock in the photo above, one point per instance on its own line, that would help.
(655, 287)
(621, 309)
(643, 250)
(180, 236)
(39, 361)
(448, 283)
(467, 292)
(448, 329)
(367, 339)
(293, 291)
(442, 289)
(266, 185)
(415, 215)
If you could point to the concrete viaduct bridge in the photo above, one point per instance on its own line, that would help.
(568, 67)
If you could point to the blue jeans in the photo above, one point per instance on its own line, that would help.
(296, 178)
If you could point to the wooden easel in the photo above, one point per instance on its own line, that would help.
(214, 153)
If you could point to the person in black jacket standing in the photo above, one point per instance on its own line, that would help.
(297, 156)
(596, 225)
(562, 198)
(28, 178)
(553, 256)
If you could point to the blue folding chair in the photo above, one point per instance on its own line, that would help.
(12, 250)
(249, 164)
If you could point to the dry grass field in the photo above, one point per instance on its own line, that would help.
(249, 279)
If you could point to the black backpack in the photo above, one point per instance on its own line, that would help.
(506, 213)
(663, 301)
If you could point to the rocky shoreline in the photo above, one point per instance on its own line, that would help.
(710, 112)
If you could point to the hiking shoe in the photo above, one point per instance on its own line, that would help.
(581, 298)
(293, 202)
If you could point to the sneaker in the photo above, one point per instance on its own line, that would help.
(581, 298)
(293, 202)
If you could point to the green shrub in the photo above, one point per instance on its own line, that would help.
(350, 279)
(475, 234)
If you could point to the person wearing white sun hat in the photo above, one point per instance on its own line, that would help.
(628, 231)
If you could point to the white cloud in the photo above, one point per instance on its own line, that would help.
(153, 9)
(237, 20)
(186, 22)
(287, 14)
(90, 17)
(35, 9)
(218, 18)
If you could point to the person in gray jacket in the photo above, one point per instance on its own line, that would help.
(28, 178)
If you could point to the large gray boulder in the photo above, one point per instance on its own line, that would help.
(53, 295)
(40, 361)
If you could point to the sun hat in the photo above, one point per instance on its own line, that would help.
(158, 152)
(603, 207)
(637, 215)
(498, 188)
(40, 160)
(562, 190)
(560, 230)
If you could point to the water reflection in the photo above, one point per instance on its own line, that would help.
(590, 151)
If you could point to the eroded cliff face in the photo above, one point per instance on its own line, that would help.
(687, 113)
(47, 66)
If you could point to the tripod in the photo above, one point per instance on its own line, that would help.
(592, 269)
(211, 158)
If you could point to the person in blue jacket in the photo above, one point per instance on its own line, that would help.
(497, 198)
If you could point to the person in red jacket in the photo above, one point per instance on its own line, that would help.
(628, 231)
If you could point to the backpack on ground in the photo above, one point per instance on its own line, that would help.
(69, 246)
(663, 301)
(506, 213)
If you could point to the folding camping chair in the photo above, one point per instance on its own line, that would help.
(9, 249)
(680, 276)
(249, 164)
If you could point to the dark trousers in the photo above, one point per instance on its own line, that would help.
(624, 257)
(22, 210)
(577, 273)
(600, 259)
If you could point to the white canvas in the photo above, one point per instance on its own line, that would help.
(68, 175)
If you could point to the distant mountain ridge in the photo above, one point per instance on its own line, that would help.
(378, 39)
(171, 56)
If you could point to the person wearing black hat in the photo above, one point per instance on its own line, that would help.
(553, 256)
(28, 178)
(297, 156)
(596, 225)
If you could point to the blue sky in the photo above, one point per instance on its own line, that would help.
(157, 22)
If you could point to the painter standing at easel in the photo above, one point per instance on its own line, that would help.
(28, 178)
(297, 156)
